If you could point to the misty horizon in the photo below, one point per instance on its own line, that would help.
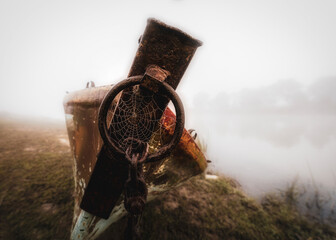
(284, 97)
(281, 97)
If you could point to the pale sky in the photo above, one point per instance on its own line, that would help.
(50, 47)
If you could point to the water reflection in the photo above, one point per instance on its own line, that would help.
(280, 130)
(265, 152)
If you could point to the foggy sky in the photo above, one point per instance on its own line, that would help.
(50, 47)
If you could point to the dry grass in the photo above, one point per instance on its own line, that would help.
(218, 209)
(36, 181)
(36, 201)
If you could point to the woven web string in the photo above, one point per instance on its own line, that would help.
(139, 117)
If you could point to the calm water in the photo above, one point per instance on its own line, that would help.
(267, 152)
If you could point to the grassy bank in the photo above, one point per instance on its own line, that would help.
(36, 187)
(218, 209)
(35, 181)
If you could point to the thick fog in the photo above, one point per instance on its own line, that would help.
(260, 92)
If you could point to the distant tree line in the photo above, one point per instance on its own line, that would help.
(282, 97)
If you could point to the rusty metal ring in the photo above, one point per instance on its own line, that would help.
(168, 91)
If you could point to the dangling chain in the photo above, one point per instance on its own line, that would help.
(135, 192)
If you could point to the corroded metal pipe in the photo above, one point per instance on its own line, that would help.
(167, 47)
